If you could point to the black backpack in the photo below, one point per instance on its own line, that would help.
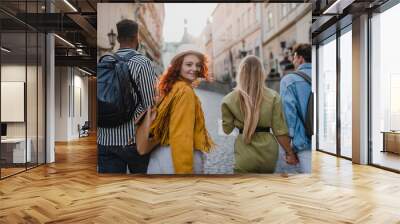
(309, 120)
(115, 100)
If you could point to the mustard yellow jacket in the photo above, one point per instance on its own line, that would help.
(180, 124)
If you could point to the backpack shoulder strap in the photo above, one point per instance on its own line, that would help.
(119, 58)
(126, 58)
(107, 55)
(303, 75)
(308, 80)
(130, 55)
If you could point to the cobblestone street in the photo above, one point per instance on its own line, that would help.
(221, 159)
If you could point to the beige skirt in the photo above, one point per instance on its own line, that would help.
(161, 161)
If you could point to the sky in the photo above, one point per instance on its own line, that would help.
(195, 13)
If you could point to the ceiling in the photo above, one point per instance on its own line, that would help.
(330, 15)
(20, 18)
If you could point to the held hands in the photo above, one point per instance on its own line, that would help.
(291, 158)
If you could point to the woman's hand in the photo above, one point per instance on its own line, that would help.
(291, 158)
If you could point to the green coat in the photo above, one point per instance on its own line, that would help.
(261, 154)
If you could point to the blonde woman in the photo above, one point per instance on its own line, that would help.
(255, 109)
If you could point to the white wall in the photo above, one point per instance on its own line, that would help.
(79, 117)
(61, 103)
(302, 29)
(69, 85)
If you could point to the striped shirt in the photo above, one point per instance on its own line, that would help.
(145, 78)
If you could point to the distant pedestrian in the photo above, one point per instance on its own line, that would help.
(180, 124)
(273, 73)
(255, 110)
(288, 68)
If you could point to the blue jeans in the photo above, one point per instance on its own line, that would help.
(304, 165)
(116, 159)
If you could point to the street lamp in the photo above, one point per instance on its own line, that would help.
(111, 38)
(243, 52)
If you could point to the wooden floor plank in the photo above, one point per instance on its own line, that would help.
(71, 191)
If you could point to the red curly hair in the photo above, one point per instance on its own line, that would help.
(172, 74)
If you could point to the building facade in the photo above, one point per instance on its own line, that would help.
(235, 32)
(267, 30)
(283, 26)
(206, 38)
(149, 16)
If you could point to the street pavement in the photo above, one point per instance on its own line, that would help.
(221, 159)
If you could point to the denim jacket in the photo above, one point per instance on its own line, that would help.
(294, 92)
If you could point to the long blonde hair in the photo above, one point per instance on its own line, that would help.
(250, 85)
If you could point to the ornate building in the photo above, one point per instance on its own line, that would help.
(284, 25)
(235, 32)
(149, 16)
(267, 30)
(206, 38)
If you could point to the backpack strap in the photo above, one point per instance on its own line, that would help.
(308, 80)
(129, 55)
(125, 59)
(303, 75)
(107, 55)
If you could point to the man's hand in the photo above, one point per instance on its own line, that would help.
(144, 144)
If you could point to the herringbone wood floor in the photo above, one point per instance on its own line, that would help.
(70, 191)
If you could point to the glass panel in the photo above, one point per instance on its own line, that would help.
(41, 99)
(31, 98)
(327, 97)
(385, 86)
(346, 94)
(22, 76)
(32, 88)
(13, 86)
